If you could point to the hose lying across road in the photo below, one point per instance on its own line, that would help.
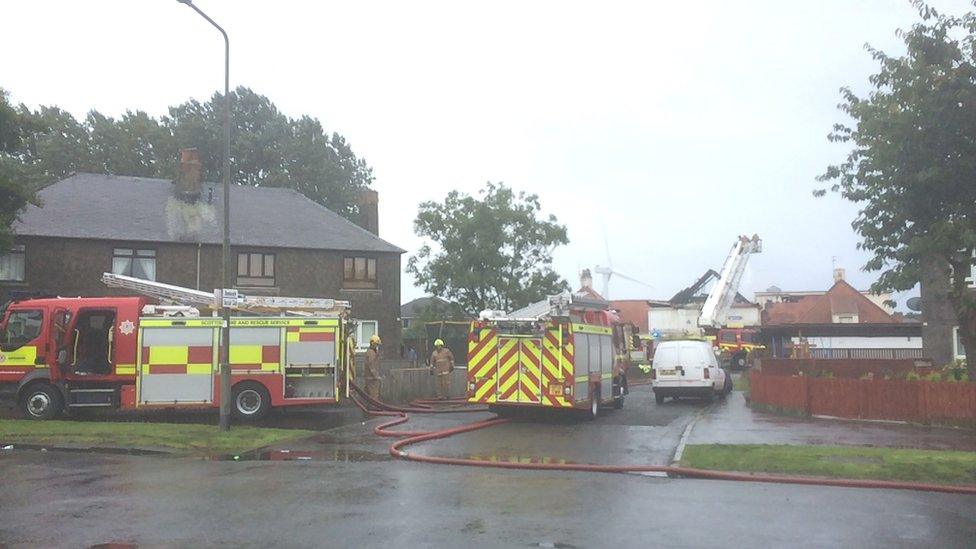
(400, 413)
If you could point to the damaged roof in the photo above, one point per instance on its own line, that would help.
(112, 207)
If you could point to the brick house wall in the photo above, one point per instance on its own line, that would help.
(73, 267)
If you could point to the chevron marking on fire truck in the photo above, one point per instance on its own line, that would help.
(482, 364)
(508, 367)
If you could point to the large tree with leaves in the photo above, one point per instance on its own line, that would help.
(912, 167)
(492, 251)
(17, 184)
(268, 148)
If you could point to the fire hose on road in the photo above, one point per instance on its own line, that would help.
(415, 437)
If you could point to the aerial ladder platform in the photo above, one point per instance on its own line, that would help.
(714, 313)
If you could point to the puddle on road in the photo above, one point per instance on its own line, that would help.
(336, 455)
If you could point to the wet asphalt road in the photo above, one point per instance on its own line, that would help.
(350, 493)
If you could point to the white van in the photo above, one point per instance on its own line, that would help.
(688, 368)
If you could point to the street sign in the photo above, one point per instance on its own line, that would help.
(228, 297)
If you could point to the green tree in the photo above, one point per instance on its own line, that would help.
(267, 147)
(493, 251)
(912, 167)
(436, 311)
(271, 149)
(16, 182)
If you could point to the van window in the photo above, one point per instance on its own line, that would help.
(22, 328)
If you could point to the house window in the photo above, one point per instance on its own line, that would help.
(957, 349)
(134, 262)
(365, 330)
(12, 264)
(359, 273)
(255, 269)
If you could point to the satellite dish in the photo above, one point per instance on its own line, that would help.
(914, 303)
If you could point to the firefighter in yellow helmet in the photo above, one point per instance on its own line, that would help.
(442, 364)
(371, 367)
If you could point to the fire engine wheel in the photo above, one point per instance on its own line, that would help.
(41, 401)
(251, 401)
(594, 402)
(738, 361)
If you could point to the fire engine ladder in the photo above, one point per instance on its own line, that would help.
(211, 300)
(715, 311)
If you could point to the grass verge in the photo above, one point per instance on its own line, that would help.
(930, 466)
(191, 439)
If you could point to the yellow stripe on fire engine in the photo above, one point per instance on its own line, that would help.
(199, 369)
(551, 364)
(531, 361)
(591, 329)
(309, 324)
(506, 364)
(245, 354)
(481, 360)
(125, 369)
(23, 356)
(169, 354)
(180, 323)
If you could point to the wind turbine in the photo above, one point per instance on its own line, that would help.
(608, 272)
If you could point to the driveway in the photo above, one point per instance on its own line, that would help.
(732, 422)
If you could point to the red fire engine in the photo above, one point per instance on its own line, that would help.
(127, 352)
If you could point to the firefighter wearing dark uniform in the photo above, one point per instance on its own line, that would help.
(371, 369)
(442, 364)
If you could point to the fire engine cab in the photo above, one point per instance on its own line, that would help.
(63, 354)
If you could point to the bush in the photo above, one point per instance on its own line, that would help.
(911, 376)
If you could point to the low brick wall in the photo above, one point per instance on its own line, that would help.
(914, 401)
(853, 368)
(403, 381)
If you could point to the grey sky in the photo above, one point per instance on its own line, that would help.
(671, 126)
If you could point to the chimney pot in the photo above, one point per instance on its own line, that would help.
(369, 217)
(586, 279)
(189, 184)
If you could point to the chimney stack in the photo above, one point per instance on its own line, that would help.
(838, 274)
(189, 185)
(369, 216)
(586, 279)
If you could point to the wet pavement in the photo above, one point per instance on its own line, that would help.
(733, 422)
(340, 488)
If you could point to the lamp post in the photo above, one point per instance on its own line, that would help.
(225, 392)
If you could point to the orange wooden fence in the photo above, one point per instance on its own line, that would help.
(916, 401)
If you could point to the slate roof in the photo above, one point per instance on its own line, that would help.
(112, 207)
(841, 298)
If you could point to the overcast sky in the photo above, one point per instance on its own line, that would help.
(668, 127)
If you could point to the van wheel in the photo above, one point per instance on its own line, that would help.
(251, 401)
(41, 401)
(659, 398)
